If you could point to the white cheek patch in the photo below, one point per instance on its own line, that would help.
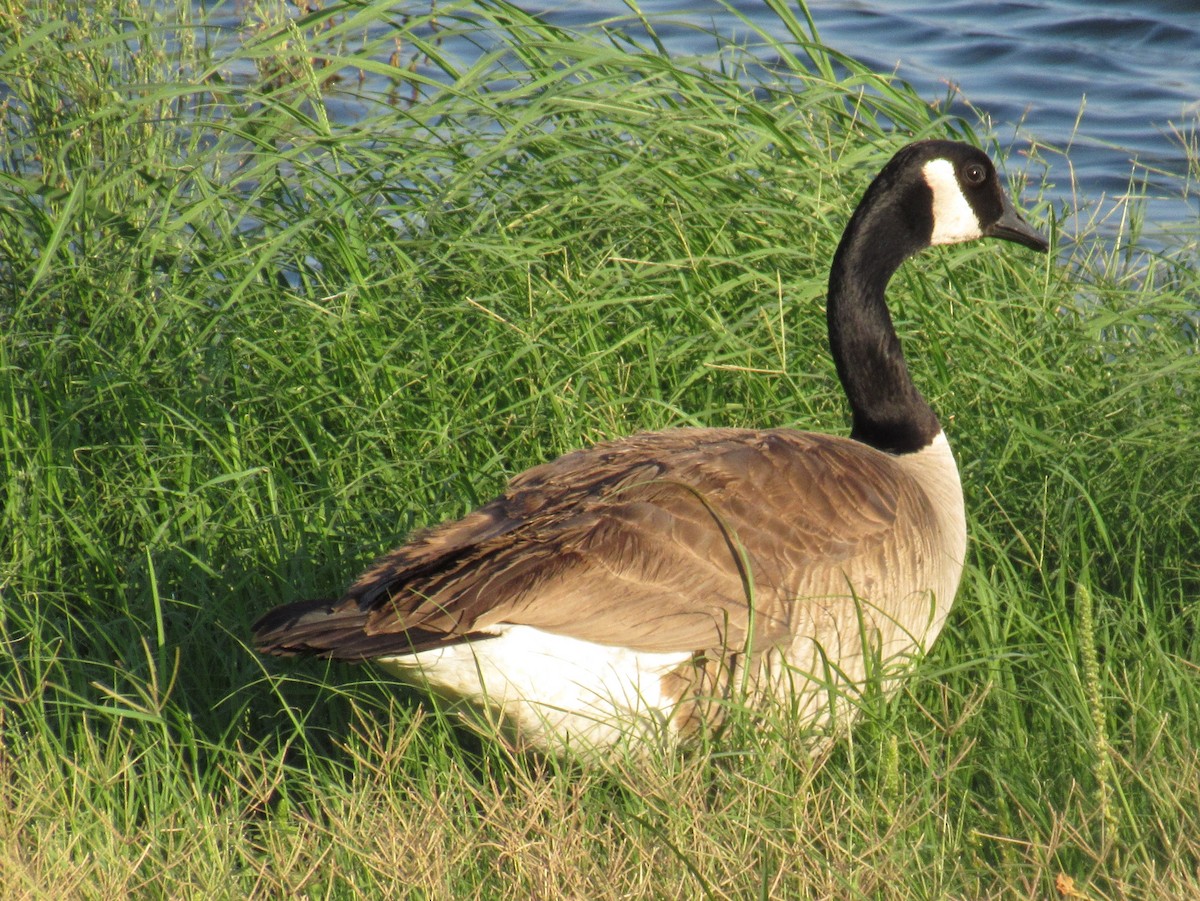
(953, 218)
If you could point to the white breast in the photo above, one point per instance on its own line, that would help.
(934, 468)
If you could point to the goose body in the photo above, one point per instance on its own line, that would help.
(627, 591)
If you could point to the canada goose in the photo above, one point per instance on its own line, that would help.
(623, 591)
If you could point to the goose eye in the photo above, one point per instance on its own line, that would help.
(974, 174)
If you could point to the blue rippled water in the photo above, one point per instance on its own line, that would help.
(1116, 85)
(1113, 88)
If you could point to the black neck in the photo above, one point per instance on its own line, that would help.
(887, 410)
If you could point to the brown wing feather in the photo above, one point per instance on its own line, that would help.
(647, 542)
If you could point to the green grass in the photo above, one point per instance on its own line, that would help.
(245, 346)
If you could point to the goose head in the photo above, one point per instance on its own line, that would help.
(937, 192)
(930, 192)
(968, 200)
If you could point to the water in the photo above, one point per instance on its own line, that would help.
(1113, 89)
(1115, 85)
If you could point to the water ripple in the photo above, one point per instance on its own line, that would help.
(1113, 86)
